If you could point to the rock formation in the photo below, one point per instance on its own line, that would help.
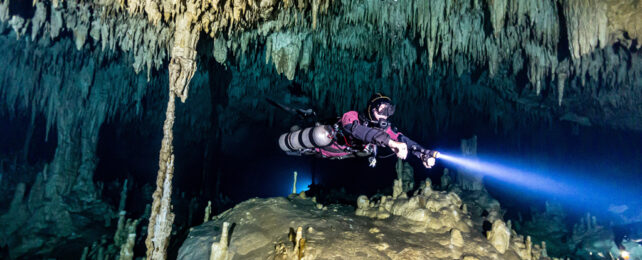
(429, 224)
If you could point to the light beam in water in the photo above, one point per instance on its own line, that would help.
(511, 175)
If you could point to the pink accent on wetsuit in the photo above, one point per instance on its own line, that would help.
(349, 117)
(392, 134)
(327, 153)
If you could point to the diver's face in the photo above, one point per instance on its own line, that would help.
(377, 112)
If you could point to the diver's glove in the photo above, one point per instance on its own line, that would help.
(401, 149)
(429, 162)
(426, 156)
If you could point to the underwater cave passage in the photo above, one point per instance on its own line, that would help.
(320, 129)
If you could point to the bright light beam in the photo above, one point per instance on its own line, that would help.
(511, 175)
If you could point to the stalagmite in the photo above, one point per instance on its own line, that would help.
(219, 249)
(455, 238)
(294, 183)
(529, 246)
(445, 179)
(85, 252)
(299, 243)
(181, 70)
(363, 205)
(18, 196)
(469, 180)
(120, 236)
(208, 211)
(397, 188)
(123, 197)
(499, 236)
(127, 248)
(161, 219)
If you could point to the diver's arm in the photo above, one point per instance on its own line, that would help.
(350, 124)
(418, 151)
(412, 145)
(367, 134)
(378, 137)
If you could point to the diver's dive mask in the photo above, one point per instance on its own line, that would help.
(385, 109)
(388, 110)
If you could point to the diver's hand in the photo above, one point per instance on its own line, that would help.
(429, 163)
(401, 149)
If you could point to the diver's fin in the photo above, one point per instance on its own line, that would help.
(279, 105)
(305, 113)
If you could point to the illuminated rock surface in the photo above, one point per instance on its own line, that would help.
(429, 225)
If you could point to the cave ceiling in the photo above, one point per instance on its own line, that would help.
(511, 63)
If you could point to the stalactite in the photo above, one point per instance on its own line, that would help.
(587, 25)
(562, 75)
(4, 10)
(497, 15)
(181, 70)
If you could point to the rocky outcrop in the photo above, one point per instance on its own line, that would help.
(263, 228)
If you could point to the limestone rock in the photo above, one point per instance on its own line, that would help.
(331, 234)
(456, 238)
(499, 236)
(285, 51)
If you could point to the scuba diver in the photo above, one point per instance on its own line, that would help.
(628, 235)
(354, 135)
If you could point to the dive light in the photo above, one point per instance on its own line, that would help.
(433, 154)
(625, 255)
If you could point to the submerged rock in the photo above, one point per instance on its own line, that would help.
(264, 228)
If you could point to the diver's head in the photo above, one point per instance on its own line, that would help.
(380, 107)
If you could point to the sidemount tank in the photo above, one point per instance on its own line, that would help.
(307, 138)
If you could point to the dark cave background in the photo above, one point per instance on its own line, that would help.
(252, 165)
